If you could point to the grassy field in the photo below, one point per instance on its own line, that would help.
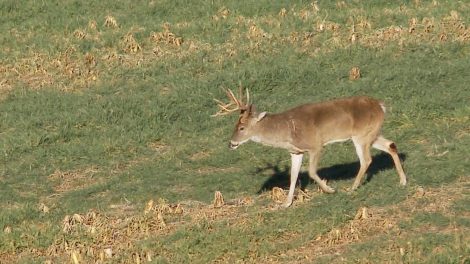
(109, 153)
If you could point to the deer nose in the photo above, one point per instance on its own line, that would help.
(233, 145)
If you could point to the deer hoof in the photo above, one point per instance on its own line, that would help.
(353, 188)
(287, 204)
(328, 189)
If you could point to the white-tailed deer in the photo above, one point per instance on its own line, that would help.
(308, 127)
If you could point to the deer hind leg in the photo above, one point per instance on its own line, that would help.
(312, 172)
(294, 174)
(363, 152)
(389, 146)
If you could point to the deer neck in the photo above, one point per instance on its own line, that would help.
(272, 131)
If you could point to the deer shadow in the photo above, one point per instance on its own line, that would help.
(280, 177)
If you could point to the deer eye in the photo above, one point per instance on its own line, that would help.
(241, 128)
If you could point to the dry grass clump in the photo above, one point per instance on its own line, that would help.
(92, 24)
(163, 207)
(256, 33)
(79, 34)
(429, 29)
(166, 37)
(367, 222)
(278, 195)
(354, 73)
(222, 13)
(5, 87)
(72, 180)
(218, 200)
(33, 71)
(66, 70)
(130, 44)
(158, 146)
(110, 22)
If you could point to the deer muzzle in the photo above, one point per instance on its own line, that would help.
(233, 145)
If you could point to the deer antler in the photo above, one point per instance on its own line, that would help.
(238, 104)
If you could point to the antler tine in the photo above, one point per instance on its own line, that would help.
(233, 98)
(244, 99)
(225, 108)
(239, 104)
(247, 97)
(240, 94)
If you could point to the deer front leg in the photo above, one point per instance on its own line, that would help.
(296, 160)
(363, 152)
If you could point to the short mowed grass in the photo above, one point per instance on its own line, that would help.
(107, 105)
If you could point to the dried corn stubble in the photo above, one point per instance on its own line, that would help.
(218, 200)
(278, 195)
(166, 37)
(255, 32)
(354, 37)
(43, 208)
(303, 196)
(76, 222)
(107, 233)
(110, 21)
(90, 60)
(412, 25)
(283, 12)
(70, 180)
(163, 207)
(130, 44)
(160, 219)
(7, 229)
(362, 24)
(419, 192)
(365, 223)
(92, 24)
(79, 34)
(241, 201)
(305, 14)
(107, 253)
(368, 222)
(222, 13)
(341, 4)
(354, 73)
(334, 237)
(75, 256)
(362, 213)
(149, 207)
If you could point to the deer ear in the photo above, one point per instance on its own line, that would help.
(260, 116)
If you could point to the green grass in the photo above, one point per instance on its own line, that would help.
(89, 124)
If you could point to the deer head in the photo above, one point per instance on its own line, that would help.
(245, 129)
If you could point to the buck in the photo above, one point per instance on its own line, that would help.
(309, 127)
